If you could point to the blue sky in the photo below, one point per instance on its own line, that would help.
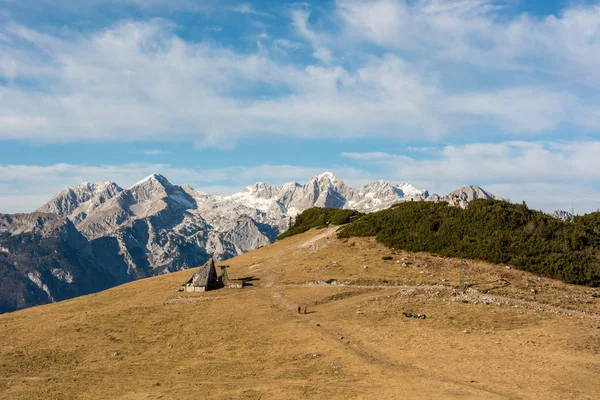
(219, 95)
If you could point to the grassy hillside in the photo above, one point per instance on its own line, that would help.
(495, 231)
(535, 338)
(317, 217)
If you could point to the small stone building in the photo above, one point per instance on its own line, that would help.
(202, 280)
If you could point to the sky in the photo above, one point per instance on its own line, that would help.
(221, 94)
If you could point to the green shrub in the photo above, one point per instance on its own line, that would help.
(320, 217)
(491, 230)
(387, 258)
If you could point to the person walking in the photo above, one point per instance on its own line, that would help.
(305, 309)
(298, 309)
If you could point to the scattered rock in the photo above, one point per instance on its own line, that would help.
(318, 324)
(116, 354)
(465, 331)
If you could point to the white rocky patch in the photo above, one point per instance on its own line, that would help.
(62, 275)
(35, 277)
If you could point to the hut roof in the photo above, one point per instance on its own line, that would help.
(205, 275)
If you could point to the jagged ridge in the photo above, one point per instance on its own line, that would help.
(156, 227)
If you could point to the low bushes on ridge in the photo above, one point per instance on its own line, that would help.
(318, 217)
(491, 230)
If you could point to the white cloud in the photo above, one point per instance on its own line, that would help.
(155, 152)
(140, 81)
(245, 8)
(300, 20)
(89, 7)
(517, 110)
(477, 32)
(369, 156)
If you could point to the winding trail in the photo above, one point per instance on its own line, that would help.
(496, 300)
(367, 353)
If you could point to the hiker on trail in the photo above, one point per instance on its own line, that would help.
(304, 309)
(298, 309)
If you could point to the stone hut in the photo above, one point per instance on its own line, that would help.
(202, 280)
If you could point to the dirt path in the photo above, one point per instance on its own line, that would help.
(367, 353)
(496, 300)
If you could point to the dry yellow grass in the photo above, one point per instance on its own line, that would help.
(536, 338)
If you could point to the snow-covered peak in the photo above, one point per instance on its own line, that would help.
(325, 176)
(561, 214)
(154, 179)
(153, 187)
(409, 190)
(258, 187)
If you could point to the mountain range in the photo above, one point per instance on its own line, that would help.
(98, 235)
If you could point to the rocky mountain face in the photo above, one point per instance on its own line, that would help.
(98, 235)
(44, 258)
(78, 202)
(462, 196)
(561, 214)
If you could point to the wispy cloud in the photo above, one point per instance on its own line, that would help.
(102, 85)
(477, 32)
(432, 70)
(246, 8)
(300, 20)
(214, 28)
(155, 152)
